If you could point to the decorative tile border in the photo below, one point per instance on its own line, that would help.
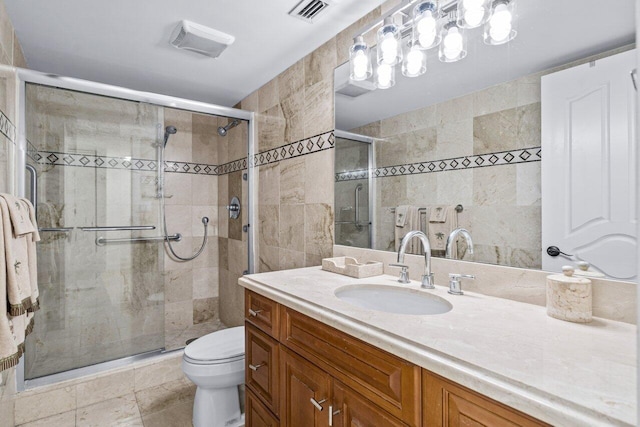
(324, 141)
(7, 128)
(303, 147)
(56, 158)
(510, 157)
(352, 175)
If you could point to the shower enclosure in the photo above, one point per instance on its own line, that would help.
(104, 184)
(354, 190)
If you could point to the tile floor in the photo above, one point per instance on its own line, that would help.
(154, 394)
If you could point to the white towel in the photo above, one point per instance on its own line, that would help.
(18, 277)
(20, 256)
(412, 222)
(401, 215)
(442, 221)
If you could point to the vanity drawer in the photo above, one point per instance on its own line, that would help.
(262, 366)
(262, 312)
(384, 379)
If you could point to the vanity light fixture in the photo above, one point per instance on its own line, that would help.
(500, 28)
(359, 60)
(415, 61)
(473, 13)
(389, 43)
(404, 39)
(385, 76)
(425, 31)
(454, 43)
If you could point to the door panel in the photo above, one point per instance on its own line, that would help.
(588, 166)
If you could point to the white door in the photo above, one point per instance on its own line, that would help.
(588, 166)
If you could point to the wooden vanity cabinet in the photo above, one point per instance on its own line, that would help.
(447, 404)
(303, 373)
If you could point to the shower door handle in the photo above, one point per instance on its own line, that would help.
(33, 185)
(357, 206)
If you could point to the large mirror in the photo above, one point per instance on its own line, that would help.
(462, 145)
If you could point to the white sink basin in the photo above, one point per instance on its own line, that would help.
(393, 299)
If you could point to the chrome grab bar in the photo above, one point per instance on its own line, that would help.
(357, 206)
(55, 229)
(33, 196)
(115, 228)
(101, 241)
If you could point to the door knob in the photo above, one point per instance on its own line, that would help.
(555, 251)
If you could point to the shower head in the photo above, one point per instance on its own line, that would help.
(169, 130)
(222, 130)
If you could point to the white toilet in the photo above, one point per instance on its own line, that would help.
(215, 363)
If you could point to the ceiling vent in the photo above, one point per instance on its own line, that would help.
(308, 10)
(200, 39)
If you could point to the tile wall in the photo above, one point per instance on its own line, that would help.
(295, 196)
(481, 151)
(10, 55)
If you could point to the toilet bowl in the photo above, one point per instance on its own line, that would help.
(215, 364)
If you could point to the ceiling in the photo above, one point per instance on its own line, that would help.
(125, 43)
(550, 33)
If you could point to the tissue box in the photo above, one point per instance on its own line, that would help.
(351, 267)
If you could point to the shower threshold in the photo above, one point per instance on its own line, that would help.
(85, 371)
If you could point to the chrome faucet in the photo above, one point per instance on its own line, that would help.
(452, 238)
(427, 277)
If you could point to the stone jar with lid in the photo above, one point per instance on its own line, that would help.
(569, 298)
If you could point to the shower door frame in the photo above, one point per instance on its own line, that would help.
(371, 165)
(25, 77)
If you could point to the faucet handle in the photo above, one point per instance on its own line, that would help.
(454, 282)
(404, 275)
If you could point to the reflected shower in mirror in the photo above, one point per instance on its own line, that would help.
(470, 133)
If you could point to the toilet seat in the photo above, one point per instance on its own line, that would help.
(224, 346)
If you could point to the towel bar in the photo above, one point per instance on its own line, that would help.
(55, 229)
(116, 228)
(101, 241)
(459, 208)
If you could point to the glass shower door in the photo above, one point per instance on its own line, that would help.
(96, 166)
(352, 190)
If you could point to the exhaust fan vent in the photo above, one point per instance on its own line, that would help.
(308, 10)
(200, 39)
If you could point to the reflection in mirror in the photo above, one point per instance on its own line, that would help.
(471, 134)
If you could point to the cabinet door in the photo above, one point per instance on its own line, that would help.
(350, 409)
(257, 415)
(447, 404)
(304, 392)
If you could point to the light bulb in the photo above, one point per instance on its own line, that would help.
(360, 65)
(389, 47)
(500, 23)
(453, 43)
(427, 23)
(426, 28)
(384, 76)
(414, 62)
(473, 16)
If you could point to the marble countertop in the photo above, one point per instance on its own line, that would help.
(563, 373)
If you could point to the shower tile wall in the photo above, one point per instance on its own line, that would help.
(192, 288)
(233, 254)
(10, 55)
